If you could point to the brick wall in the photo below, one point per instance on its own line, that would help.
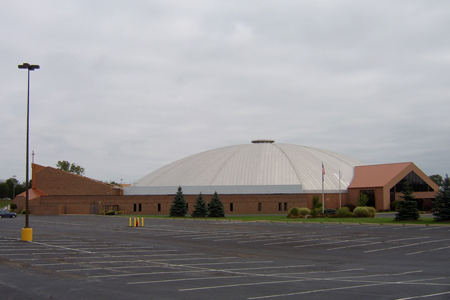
(57, 182)
(160, 204)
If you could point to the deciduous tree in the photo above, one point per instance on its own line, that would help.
(68, 167)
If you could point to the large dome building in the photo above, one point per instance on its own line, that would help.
(262, 167)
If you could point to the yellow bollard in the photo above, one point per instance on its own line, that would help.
(130, 222)
(27, 234)
(142, 222)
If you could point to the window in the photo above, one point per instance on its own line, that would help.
(259, 206)
(135, 207)
(140, 206)
(371, 195)
(231, 206)
(159, 206)
(285, 206)
(417, 184)
(279, 206)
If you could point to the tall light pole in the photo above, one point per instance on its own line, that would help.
(14, 187)
(27, 232)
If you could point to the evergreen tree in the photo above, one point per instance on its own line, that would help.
(441, 205)
(200, 208)
(179, 206)
(215, 207)
(407, 209)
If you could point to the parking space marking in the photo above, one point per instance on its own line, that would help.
(232, 263)
(431, 228)
(315, 291)
(428, 250)
(403, 246)
(424, 296)
(65, 248)
(185, 279)
(354, 246)
(338, 288)
(242, 284)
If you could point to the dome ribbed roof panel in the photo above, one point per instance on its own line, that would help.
(257, 164)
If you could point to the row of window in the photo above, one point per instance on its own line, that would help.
(137, 207)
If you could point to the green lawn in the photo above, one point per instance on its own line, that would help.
(258, 218)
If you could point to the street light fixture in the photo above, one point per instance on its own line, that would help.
(27, 232)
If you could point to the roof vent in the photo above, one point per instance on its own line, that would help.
(263, 141)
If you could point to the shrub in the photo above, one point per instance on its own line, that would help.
(23, 212)
(294, 212)
(344, 212)
(350, 206)
(329, 211)
(13, 206)
(304, 211)
(361, 212)
(317, 206)
(362, 200)
(372, 211)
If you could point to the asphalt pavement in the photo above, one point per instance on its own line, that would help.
(102, 257)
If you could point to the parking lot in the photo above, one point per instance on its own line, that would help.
(101, 257)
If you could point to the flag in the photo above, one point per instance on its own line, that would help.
(323, 170)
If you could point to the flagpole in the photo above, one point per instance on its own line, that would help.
(340, 201)
(323, 193)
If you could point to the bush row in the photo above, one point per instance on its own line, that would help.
(343, 212)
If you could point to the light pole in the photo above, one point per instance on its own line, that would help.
(14, 187)
(27, 232)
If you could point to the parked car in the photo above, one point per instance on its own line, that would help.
(7, 214)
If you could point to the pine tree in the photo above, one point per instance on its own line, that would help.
(215, 207)
(200, 208)
(179, 206)
(441, 205)
(407, 209)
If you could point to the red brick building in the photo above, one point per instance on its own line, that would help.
(66, 193)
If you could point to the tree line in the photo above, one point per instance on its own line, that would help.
(11, 187)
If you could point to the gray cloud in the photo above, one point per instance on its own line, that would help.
(125, 88)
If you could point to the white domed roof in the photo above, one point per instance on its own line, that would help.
(262, 163)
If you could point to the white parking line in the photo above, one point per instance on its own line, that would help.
(428, 250)
(424, 296)
(336, 289)
(66, 248)
(353, 246)
(316, 291)
(403, 246)
(185, 279)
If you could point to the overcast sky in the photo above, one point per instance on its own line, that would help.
(126, 87)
